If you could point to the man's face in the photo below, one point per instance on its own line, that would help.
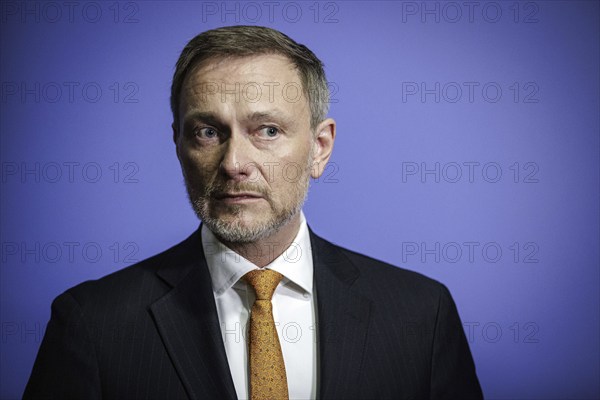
(245, 145)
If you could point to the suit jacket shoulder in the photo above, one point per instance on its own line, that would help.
(137, 283)
(388, 274)
(387, 332)
(381, 281)
(135, 333)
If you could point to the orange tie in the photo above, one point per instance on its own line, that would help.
(267, 370)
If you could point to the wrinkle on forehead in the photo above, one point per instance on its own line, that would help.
(213, 69)
(215, 78)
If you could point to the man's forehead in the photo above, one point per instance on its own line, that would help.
(243, 69)
(252, 82)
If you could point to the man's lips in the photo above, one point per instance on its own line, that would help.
(238, 197)
(235, 195)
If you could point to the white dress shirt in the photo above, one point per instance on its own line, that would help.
(293, 310)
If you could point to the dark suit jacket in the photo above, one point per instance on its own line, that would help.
(151, 331)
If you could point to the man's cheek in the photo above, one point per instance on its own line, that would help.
(271, 171)
(209, 169)
(198, 165)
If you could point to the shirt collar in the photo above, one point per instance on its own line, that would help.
(226, 267)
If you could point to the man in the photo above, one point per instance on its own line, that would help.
(254, 304)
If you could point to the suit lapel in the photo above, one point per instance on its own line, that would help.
(187, 321)
(343, 319)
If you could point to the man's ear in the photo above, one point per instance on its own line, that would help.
(176, 139)
(322, 146)
(175, 132)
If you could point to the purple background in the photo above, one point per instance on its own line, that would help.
(531, 312)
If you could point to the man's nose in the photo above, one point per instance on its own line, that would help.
(237, 162)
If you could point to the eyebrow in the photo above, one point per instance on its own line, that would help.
(275, 115)
(257, 116)
(204, 116)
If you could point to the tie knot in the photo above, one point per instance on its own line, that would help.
(264, 282)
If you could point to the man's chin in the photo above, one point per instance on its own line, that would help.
(244, 215)
(242, 223)
(245, 226)
(237, 220)
(236, 230)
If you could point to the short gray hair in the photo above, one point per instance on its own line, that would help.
(243, 41)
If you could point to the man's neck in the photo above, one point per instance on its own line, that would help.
(265, 250)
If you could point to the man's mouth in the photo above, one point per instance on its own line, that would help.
(238, 197)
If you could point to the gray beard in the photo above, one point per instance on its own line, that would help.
(235, 232)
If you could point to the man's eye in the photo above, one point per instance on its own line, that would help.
(207, 133)
(270, 131)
